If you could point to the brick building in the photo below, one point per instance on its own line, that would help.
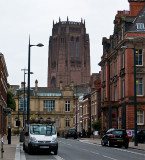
(69, 54)
(117, 69)
(3, 93)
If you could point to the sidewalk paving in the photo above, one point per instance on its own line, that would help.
(9, 149)
(141, 146)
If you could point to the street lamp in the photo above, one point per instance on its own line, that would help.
(135, 103)
(24, 95)
(28, 89)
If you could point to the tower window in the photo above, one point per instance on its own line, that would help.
(77, 47)
(72, 47)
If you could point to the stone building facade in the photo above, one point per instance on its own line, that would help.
(69, 54)
(117, 70)
(3, 94)
(45, 103)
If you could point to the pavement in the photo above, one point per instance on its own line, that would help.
(10, 149)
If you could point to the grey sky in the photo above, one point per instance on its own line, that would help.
(19, 18)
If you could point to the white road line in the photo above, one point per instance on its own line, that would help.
(130, 151)
(108, 157)
(58, 158)
(17, 153)
(22, 154)
(95, 153)
(89, 143)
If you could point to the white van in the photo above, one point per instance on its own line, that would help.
(40, 136)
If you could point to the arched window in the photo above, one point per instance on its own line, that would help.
(77, 47)
(67, 122)
(72, 46)
(53, 82)
(23, 105)
(57, 122)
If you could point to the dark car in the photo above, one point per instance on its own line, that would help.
(141, 136)
(71, 133)
(115, 137)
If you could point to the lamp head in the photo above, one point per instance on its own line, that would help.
(124, 47)
(39, 45)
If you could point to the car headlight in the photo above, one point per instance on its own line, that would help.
(54, 139)
(33, 139)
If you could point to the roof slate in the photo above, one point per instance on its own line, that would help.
(139, 19)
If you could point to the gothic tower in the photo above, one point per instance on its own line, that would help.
(69, 54)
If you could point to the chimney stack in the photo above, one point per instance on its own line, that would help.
(36, 85)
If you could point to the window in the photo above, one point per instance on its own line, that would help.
(140, 25)
(57, 122)
(67, 106)
(23, 107)
(111, 70)
(49, 105)
(139, 86)
(122, 61)
(139, 56)
(104, 72)
(123, 88)
(67, 122)
(140, 117)
(16, 119)
(77, 47)
(72, 47)
(115, 68)
(115, 93)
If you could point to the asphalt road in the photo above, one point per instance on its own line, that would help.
(70, 149)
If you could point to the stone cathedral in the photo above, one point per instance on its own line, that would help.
(69, 54)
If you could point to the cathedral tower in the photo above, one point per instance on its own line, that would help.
(69, 54)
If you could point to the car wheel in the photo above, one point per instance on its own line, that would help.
(55, 152)
(30, 149)
(102, 143)
(119, 145)
(24, 148)
(109, 144)
(126, 145)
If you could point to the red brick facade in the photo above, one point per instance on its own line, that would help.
(69, 54)
(117, 70)
(3, 93)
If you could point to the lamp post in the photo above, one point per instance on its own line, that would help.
(28, 89)
(135, 103)
(24, 96)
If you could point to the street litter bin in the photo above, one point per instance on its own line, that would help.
(9, 135)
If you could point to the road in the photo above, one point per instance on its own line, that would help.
(70, 149)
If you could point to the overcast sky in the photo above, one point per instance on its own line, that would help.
(21, 18)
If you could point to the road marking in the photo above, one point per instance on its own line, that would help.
(95, 152)
(108, 157)
(17, 153)
(86, 141)
(22, 154)
(58, 158)
(130, 151)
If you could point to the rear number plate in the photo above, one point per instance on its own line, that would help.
(44, 146)
(120, 140)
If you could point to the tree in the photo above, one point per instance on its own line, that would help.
(97, 125)
(10, 100)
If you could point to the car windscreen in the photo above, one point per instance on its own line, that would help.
(71, 130)
(117, 133)
(42, 129)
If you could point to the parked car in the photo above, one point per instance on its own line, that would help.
(141, 136)
(115, 137)
(71, 133)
